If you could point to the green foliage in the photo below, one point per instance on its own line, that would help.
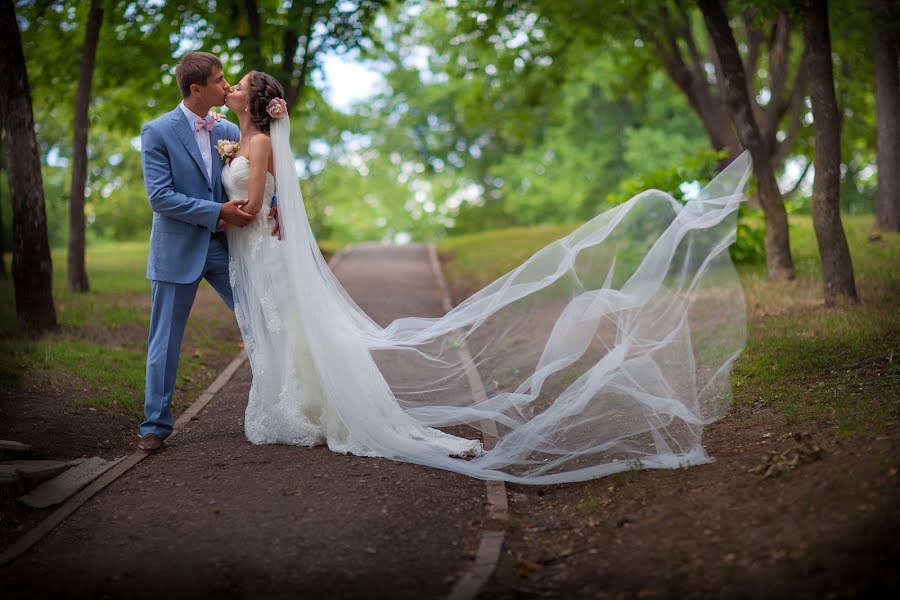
(750, 245)
(493, 114)
(701, 167)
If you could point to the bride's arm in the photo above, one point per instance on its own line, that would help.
(260, 156)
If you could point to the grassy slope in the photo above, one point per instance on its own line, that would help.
(98, 354)
(812, 363)
(100, 348)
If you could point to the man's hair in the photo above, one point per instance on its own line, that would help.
(195, 67)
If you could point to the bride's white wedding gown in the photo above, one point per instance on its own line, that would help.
(609, 349)
(287, 404)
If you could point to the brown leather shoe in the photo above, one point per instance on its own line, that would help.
(151, 443)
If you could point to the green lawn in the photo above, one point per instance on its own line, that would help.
(838, 365)
(98, 354)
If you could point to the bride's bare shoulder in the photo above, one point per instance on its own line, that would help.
(261, 144)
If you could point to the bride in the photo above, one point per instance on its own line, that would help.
(607, 350)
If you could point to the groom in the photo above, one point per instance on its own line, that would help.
(183, 177)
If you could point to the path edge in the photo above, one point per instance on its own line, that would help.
(494, 531)
(124, 464)
(127, 462)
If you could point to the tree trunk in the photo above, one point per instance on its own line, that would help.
(2, 233)
(778, 250)
(837, 268)
(690, 78)
(246, 24)
(77, 274)
(294, 86)
(887, 110)
(31, 266)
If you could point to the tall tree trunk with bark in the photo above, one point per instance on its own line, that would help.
(837, 268)
(778, 249)
(2, 232)
(887, 111)
(31, 266)
(77, 274)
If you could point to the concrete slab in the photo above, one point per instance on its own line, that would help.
(11, 484)
(9, 448)
(63, 486)
(34, 472)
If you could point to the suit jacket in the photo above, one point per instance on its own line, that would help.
(185, 203)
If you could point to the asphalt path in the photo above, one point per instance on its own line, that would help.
(216, 516)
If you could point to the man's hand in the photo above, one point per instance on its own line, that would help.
(220, 226)
(233, 214)
(273, 214)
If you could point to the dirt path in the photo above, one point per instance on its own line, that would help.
(216, 516)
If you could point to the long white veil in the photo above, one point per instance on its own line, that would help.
(607, 350)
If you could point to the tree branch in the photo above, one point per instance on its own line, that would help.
(687, 34)
(754, 41)
(783, 148)
(779, 53)
(751, 67)
(697, 91)
(793, 191)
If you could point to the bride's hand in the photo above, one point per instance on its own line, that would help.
(221, 225)
(273, 214)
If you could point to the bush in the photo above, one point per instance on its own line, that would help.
(702, 167)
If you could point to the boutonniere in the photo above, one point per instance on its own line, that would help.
(227, 149)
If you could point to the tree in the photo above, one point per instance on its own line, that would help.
(2, 231)
(77, 273)
(663, 33)
(289, 45)
(837, 268)
(317, 26)
(737, 98)
(31, 265)
(887, 108)
(646, 41)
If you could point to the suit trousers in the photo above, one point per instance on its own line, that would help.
(170, 305)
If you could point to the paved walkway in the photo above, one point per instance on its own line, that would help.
(215, 516)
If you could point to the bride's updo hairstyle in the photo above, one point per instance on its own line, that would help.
(263, 88)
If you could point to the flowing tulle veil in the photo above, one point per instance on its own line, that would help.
(607, 350)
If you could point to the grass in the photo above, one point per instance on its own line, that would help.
(839, 366)
(479, 258)
(97, 356)
(90, 353)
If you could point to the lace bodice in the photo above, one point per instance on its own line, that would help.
(235, 177)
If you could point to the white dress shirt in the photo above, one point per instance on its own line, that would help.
(202, 138)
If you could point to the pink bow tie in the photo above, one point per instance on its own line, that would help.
(208, 123)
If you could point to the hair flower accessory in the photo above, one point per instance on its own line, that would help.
(227, 149)
(277, 108)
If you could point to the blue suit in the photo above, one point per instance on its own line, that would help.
(183, 249)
